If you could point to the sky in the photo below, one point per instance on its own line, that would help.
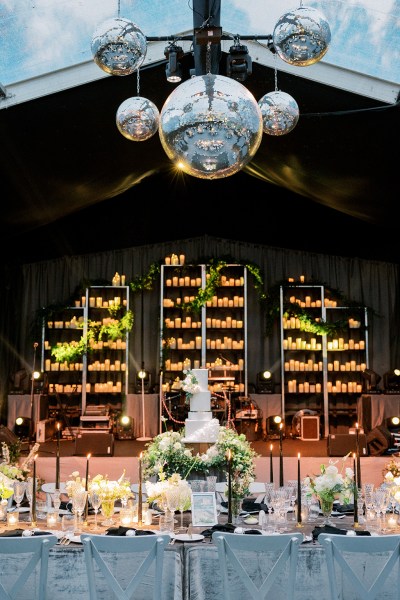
(41, 36)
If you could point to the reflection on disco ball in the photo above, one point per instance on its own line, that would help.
(118, 46)
(210, 126)
(302, 36)
(280, 113)
(138, 119)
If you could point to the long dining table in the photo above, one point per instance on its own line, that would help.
(192, 572)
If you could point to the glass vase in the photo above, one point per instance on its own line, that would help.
(326, 509)
(236, 510)
(107, 510)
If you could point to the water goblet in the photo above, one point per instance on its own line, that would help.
(29, 494)
(79, 504)
(107, 510)
(95, 501)
(19, 492)
(172, 499)
(183, 504)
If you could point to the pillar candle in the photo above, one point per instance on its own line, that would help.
(355, 491)
(358, 479)
(34, 492)
(271, 467)
(229, 486)
(280, 455)
(58, 458)
(298, 490)
(140, 499)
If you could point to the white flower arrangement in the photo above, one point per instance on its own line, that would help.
(158, 492)
(331, 484)
(110, 490)
(190, 384)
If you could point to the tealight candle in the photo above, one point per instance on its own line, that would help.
(12, 518)
(51, 519)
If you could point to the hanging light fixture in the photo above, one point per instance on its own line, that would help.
(118, 46)
(173, 69)
(238, 63)
(138, 119)
(302, 36)
(280, 112)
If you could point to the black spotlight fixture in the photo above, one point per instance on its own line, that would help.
(391, 381)
(238, 62)
(393, 424)
(124, 430)
(371, 380)
(273, 426)
(39, 382)
(265, 383)
(143, 381)
(22, 427)
(173, 69)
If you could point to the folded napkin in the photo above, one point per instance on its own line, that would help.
(123, 531)
(19, 533)
(249, 505)
(335, 531)
(228, 528)
(344, 508)
(253, 531)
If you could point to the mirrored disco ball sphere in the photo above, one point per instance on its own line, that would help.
(210, 126)
(280, 113)
(118, 46)
(138, 119)
(302, 36)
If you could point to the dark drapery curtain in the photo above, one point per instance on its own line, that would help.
(25, 290)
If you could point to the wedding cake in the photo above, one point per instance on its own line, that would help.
(199, 426)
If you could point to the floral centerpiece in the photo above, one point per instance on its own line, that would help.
(189, 384)
(109, 490)
(331, 485)
(10, 470)
(167, 455)
(391, 471)
(158, 492)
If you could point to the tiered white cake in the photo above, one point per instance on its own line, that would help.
(200, 425)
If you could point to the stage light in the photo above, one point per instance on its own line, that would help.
(273, 426)
(265, 383)
(143, 381)
(124, 430)
(393, 423)
(238, 62)
(173, 69)
(39, 382)
(371, 380)
(22, 427)
(391, 381)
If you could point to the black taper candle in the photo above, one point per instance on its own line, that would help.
(140, 499)
(280, 456)
(298, 490)
(355, 491)
(58, 458)
(34, 492)
(358, 479)
(229, 486)
(271, 466)
(87, 488)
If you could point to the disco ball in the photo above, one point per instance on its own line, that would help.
(280, 113)
(302, 36)
(138, 119)
(118, 46)
(210, 126)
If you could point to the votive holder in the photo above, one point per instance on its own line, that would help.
(52, 519)
(12, 519)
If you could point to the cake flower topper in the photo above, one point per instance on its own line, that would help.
(190, 385)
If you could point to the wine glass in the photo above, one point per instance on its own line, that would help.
(172, 499)
(19, 492)
(29, 493)
(95, 501)
(183, 504)
(79, 503)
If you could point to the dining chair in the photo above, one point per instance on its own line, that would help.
(257, 561)
(366, 562)
(103, 553)
(29, 560)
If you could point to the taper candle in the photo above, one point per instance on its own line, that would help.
(87, 487)
(298, 490)
(229, 486)
(58, 458)
(355, 491)
(140, 499)
(34, 492)
(358, 478)
(280, 455)
(271, 466)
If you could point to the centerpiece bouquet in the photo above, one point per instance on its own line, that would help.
(189, 384)
(331, 485)
(109, 490)
(10, 470)
(158, 492)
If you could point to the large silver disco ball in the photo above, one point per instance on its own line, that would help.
(210, 126)
(302, 36)
(138, 119)
(280, 113)
(118, 46)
